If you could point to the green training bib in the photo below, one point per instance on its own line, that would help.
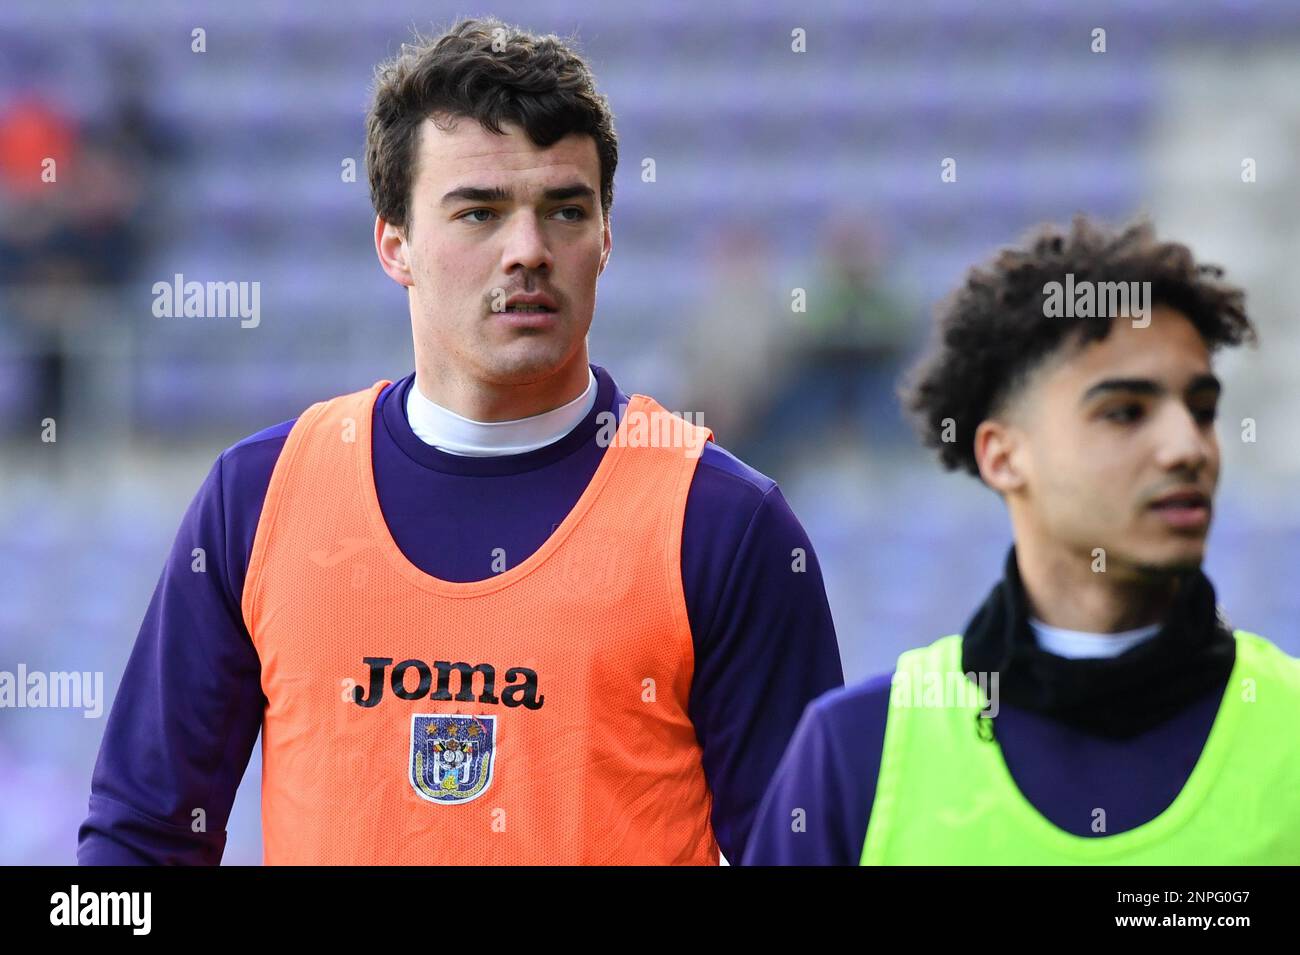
(946, 797)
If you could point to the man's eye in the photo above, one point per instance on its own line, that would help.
(1125, 414)
(468, 216)
(1206, 415)
(578, 216)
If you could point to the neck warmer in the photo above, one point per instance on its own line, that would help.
(1115, 697)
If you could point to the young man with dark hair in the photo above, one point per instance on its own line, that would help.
(497, 611)
(1098, 708)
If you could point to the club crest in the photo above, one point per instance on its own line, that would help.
(451, 756)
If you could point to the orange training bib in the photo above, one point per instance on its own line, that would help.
(535, 717)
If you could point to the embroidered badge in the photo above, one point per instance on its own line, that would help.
(451, 756)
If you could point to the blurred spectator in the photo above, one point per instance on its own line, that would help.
(846, 350)
(734, 345)
(73, 217)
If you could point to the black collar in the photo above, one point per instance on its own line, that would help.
(1118, 697)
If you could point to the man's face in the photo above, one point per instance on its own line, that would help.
(1119, 449)
(500, 228)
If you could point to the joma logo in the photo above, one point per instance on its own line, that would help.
(520, 688)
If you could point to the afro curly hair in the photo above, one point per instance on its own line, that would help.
(994, 330)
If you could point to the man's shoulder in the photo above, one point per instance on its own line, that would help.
(730, 501)
(720, 467)
(722, 482)
(275, 433)
(251, 459)
(848, 709)
(1263, 655)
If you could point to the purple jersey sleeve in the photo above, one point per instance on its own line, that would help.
(764, 640)
(189, 706)
(817, 807)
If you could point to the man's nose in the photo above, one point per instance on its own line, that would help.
(525, 245)
(1184, 442)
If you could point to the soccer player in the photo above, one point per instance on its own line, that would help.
(496, 611)
(1097, 708)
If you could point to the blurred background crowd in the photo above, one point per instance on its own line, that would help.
(128, 156)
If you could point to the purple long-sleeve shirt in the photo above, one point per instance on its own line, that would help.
(832, 764)
(190, 703)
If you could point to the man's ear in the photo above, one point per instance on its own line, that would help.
(608, 244)
(393, 250)
(998, 452)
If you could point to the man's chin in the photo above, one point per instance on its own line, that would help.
(1171, 562)
(524, 362)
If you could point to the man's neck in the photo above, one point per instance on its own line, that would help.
(1063, 590)
(448, 431)
(486, 401)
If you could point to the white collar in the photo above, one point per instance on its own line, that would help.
(1077, 645)
(444, 429)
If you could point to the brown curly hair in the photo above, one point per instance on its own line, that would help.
(537, 82)
(994, 330)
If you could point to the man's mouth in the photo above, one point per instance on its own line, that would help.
(530, 312)
(1183, 509)
(530, 303)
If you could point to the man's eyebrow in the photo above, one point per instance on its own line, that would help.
(1206, 382)
(575, 190)
(477, 194)
(1141, 386)
(1147, 386)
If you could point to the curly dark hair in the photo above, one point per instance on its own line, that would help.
(995, 329)
(489, 71)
